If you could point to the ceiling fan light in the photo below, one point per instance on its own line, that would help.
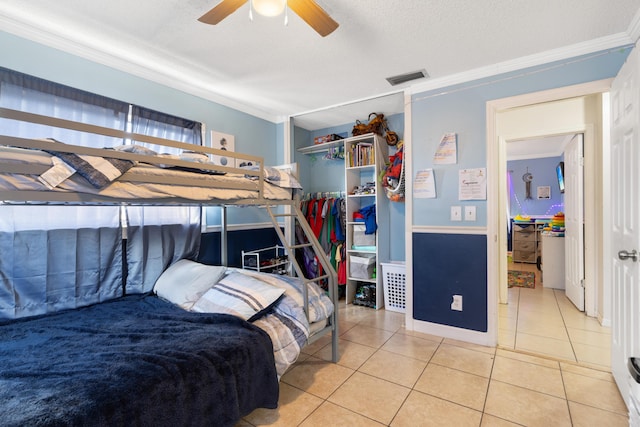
(269, 7)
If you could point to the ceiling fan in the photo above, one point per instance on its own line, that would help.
(308, 10)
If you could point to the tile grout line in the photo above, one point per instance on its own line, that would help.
(575, 356)
(493, 364)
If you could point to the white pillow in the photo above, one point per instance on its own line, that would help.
(239, 295)
(184, 282)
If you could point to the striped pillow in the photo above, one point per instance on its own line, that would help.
(99, 171)
(239, 295)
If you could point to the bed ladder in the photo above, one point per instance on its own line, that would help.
(329, 273)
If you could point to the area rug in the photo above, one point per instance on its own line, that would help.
(522, 279)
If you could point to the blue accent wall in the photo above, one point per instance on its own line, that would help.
(544, 174)
(237, 241)
(446, 265)
(462, 109)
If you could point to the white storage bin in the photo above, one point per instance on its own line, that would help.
(361, 267)
(395, 288)
(361, 239)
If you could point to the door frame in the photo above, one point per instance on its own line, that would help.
(574, 179)
(496, 183)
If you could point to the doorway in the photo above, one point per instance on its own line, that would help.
(573, 110)
(541, 319)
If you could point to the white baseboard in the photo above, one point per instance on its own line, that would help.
(452, 332)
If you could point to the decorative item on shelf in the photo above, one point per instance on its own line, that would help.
(391, 137)
(378, 125)
(327, 138)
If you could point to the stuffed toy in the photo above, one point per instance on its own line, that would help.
(392, 175)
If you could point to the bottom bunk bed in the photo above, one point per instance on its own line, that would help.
(182, 355)
(192, 351)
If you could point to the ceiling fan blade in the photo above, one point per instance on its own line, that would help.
(221, 11)
(313, 15)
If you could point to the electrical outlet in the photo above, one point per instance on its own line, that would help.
(456, 213)
(456, 304)
(469, 213)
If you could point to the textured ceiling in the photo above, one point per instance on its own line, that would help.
(273, 71)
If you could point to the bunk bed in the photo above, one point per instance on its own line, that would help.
(173, 356)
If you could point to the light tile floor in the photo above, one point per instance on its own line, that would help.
(543, 321)
(389, 376)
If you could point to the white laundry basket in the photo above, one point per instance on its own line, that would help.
(395, 288)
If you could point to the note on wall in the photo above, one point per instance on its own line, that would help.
(424, 185)
(447, 153)
(472, 184)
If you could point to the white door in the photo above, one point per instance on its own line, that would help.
(574, 221)
(625, 214)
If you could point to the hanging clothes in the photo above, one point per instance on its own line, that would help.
(341, 259)
(338, 228)
(314, 216)
(324, 237)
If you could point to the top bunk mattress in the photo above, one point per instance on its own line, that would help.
(21, 169)
(46, 170)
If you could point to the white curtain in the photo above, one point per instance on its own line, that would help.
(58, 257)
(160, 236)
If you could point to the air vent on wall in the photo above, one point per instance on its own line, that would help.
(403, 78)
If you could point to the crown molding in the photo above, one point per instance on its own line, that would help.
(579, 49)
(137, 64)
(634, 27)
(196, 84)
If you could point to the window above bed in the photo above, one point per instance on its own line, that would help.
(31, 94)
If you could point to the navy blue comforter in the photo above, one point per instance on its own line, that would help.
(137, 360)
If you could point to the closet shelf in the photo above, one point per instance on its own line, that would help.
(359, 279)
(362, 195)
(362, 167)
(320, 148)
(362, 251)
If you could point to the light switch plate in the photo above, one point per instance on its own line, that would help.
(469, 213)
(456, 213)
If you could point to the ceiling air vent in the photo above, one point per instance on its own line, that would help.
(403, 78)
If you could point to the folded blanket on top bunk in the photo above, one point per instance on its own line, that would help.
(137, 360)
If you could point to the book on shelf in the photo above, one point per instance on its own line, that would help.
(361, 154)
